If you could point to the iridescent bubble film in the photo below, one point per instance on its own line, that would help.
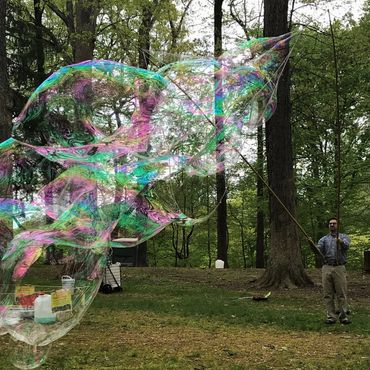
(91, 153)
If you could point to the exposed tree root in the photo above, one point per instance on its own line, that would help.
(288, 279)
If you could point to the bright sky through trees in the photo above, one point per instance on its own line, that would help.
(200, 21)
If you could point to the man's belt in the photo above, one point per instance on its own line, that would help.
(334, 264)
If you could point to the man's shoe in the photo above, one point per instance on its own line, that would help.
(330, 321)
(348, 312)
(345, 321)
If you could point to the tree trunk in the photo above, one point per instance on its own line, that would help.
(241, 225)
(146, 26)
(222, 244)
(40, 55)
(260, 224)
(5, 122)
(285, 268)
(209, 252)
(50, 256)
(176, 28)
(80, 20)
(86, 13)
(6, 230)
(242, 235)
(260, 216)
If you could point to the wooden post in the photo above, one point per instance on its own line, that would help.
(367, 262)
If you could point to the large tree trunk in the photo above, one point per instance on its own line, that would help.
(5, 129)
(260, 224)
(260, 215)
(147, 22)
(209, 253)
(80, 20)
(285, 267)
(86, 13)
(222, 244)
(40, 77)
(146, 26)
(6, 231)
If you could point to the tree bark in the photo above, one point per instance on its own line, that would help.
(80, 20)
(6, 230)
(5, 131)
(40, 54)
(222, 242)
(285, 267)
(260, 222)
(208, 226)
(147, 22)
(176, 28)
(50, 256)
(260, 215)
(86, 13)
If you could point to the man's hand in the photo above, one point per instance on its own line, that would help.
(340, 241)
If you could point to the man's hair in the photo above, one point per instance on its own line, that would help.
(332, 218)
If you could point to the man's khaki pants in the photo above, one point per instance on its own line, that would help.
(334, 283)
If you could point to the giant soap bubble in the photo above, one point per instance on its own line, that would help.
(92, 151)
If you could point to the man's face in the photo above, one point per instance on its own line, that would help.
(333, 225)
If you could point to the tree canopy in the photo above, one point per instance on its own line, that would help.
(41, 36)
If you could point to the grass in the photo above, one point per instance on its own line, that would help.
(194, 319)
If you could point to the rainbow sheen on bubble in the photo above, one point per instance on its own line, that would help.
(90, 152)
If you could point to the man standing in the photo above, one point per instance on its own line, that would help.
(334, 247)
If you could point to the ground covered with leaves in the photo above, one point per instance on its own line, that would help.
(174, 318)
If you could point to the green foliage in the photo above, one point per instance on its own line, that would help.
(313, 115)
(118, 31)
(314, 119)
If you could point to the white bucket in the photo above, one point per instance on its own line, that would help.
(219, 264)
(12, 317)
(68, 283)
(43, 312)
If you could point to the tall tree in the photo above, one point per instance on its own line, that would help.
(4, 84)
(260, 216)
(285, 267)
(80, 19)
(243, 20)
(222, 242)
(40, 54)
(176, 28)
(147, 21)
(5, 132)
(84, 42)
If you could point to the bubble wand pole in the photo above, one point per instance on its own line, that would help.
(337, 145)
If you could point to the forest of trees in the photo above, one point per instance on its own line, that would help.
(324, 86)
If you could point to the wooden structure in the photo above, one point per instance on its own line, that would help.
(128, 254)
